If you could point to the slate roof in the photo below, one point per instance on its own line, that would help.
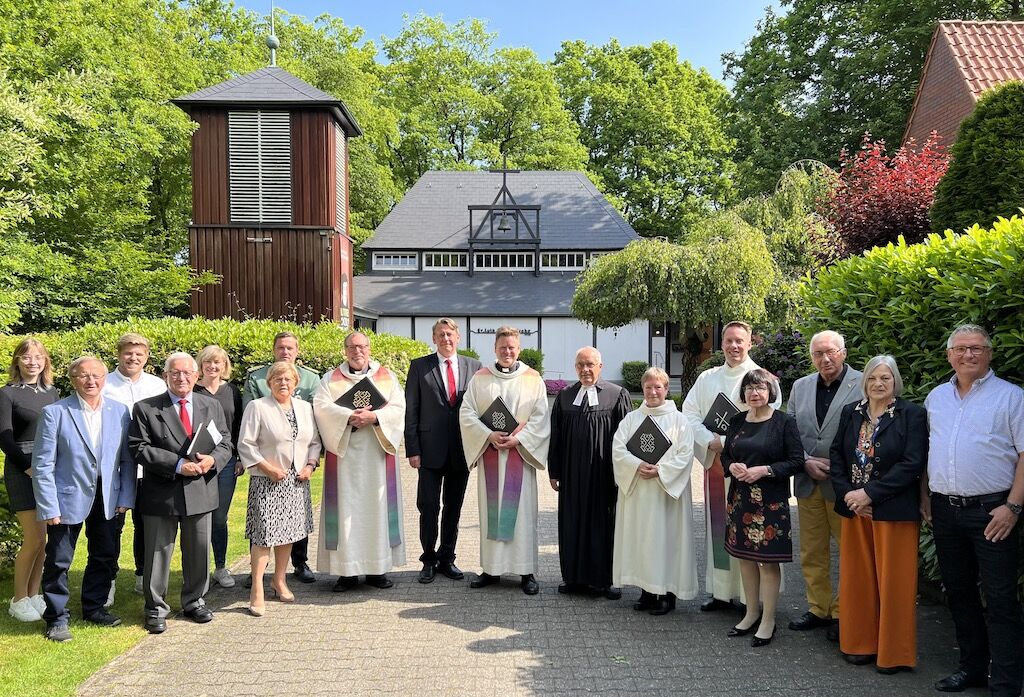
(433, 214)
(987, 53)
(270, 87)
(488, 293)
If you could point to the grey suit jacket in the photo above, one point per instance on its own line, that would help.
(817, 439)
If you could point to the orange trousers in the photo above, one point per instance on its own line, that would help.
(878, 590)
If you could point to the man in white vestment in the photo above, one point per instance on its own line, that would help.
(722, 577)
(507, 460)
(361, 511)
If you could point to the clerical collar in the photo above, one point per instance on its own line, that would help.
(502, 369)
(591, 394)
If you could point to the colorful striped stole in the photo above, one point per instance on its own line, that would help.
(714, 499)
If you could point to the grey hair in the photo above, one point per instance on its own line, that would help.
(890, 363)
(587, 348)
(80, 361)
(828, 334)
(180, 356)
(655, 373)
(968, 329)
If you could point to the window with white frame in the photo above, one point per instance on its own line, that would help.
(391, 261)
(503, 261)
(562, 261)
(445, 261)
(596, 255)
(259, 166)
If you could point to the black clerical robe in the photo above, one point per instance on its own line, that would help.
(580, 458)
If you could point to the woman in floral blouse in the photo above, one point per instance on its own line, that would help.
(762, 451)
(878, 456)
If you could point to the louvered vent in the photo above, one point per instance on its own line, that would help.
(260, 166)
(340, 187)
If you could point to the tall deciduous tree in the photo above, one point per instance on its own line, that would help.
(814, 78)
(653, 129)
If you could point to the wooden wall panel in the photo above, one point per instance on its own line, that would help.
(210, 167)
(312, 168)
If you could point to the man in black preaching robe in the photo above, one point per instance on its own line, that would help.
(584, 418)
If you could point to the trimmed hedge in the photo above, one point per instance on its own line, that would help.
(905, 299)
(632, 374)
(533, 358)
(247, 343)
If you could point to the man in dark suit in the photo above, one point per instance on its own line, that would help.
(178, 490)
(434, 389)
(82, 474)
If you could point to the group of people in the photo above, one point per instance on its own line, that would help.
(866, 465)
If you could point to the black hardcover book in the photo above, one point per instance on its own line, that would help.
(649, 442)
(717, 419)
(204, 440)
(363, 395)
(498, 417)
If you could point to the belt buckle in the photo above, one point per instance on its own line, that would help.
(957, 501)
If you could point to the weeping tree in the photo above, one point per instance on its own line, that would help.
(724, 270)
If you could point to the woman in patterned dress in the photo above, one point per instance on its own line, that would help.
(280, 447)
(762, 451)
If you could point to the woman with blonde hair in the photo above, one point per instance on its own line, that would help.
(28, 390)
(215, 381)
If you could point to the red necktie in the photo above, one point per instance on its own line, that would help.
(451, 381)
(185, 421)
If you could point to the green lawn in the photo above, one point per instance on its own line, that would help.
(31, 666)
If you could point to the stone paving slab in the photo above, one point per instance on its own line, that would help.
(445, 638)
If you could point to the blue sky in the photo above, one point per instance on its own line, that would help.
(701, 29)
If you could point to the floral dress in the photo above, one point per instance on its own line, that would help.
(759, 526)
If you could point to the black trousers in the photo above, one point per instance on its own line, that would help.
(100, 568)
(300, 552)
(447, 485)
(138, 541)
(993, 631)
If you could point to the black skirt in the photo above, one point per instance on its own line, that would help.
(19, 484)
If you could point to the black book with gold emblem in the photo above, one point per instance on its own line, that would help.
(717, 418)
(649, 442)
(363, 395)
(498, 417)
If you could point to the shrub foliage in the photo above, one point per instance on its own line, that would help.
(632, 373)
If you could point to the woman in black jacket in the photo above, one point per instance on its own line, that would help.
(877, 458)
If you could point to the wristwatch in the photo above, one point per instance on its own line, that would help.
(771, 472)
(1015, 508)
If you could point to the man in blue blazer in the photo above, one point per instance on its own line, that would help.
(83, 473)
(434, 389)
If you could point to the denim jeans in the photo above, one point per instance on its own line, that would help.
(226, 480)
(993, 631)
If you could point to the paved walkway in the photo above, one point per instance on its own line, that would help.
(444, 639)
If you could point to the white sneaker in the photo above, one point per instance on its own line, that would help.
(223, 577)
(24, 611)
(38, 603)
(138, 585)
(110, 595)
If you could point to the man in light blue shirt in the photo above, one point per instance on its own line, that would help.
(976, 482)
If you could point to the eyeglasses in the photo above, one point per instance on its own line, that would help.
(974, 350)
(831, 353)
(84, 377)
(176, 374)
(360, 347)
(756, 388)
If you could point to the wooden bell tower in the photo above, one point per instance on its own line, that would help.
(270, 193)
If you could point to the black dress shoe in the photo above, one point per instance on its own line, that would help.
(156, 625)
(379, 581)
(736, 631)
(427, 573)
(200, 614)
(713, 604)
(613, 593)
(529, 584)
(449, 570)
(757, 641)
(663, 605)
(484, 580)
(809, 620)
(832, 633)
(859, 659)
(960, 681)
(303, 573)
(568, 588)
(103, 618)
(892, 670)
(345, 583)
(646, 601)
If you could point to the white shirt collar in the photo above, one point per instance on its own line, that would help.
(590, 392)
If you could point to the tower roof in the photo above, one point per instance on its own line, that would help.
(270, 87)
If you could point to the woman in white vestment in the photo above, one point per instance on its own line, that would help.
(654, 545)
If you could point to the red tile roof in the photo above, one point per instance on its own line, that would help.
(987, 53)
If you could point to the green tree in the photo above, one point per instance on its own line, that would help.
(814, 78)
(985, 179)
(652, 126)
